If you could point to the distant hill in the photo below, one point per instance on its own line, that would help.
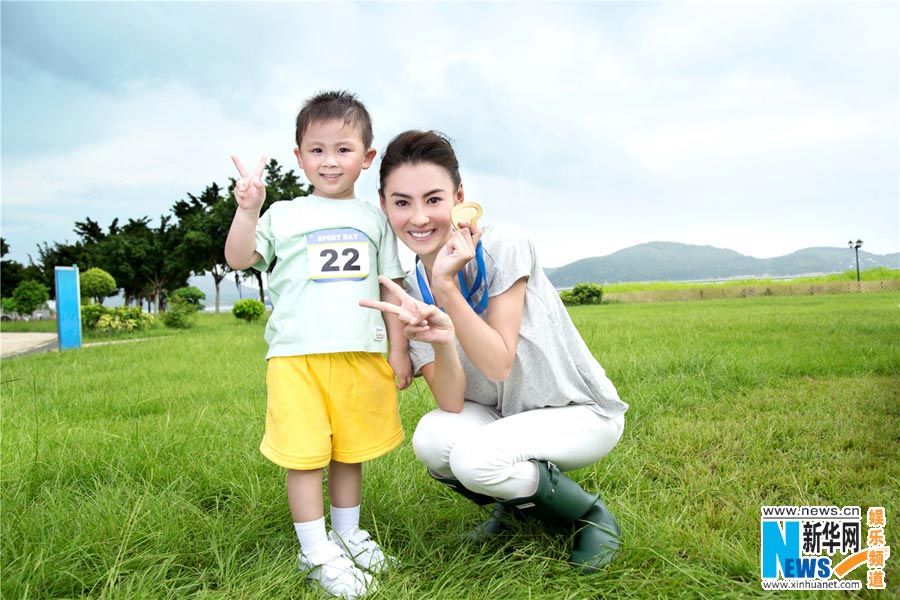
(654, 261)
(670, 261)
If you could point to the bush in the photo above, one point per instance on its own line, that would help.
(29, 296)
(179, 314)
(183, 304)
(122, 319)
(583, 293)
(248, 310)
(97, 284)
(91, 313)
(8, 304)
(189, 296)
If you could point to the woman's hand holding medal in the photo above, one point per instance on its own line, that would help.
(425, 322)
(460, 248)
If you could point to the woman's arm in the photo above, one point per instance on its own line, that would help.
(446, 378)
(490, 345)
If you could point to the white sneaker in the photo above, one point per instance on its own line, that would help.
(335, 573)
(359, 546)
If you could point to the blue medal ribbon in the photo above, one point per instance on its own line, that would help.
(468, 293)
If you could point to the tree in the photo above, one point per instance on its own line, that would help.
(204, 223)
(58, 255)
(11, 275)
(159, 269)
(29, 296)
(148, 262)
(120, 254)
(119, 251)
(97, 284)
(191, 296)
(140, 258)
(11, 272)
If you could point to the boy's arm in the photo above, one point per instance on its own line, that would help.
(240, 246)
(398, 355)
(426, 323)
(250, 193)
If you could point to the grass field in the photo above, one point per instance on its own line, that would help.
(132, 471)
(874, 274)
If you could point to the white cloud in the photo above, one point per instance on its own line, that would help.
(593, 126)
(159, 137)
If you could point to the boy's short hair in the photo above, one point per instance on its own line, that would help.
(340, 104)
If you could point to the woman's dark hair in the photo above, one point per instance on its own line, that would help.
(417, 147)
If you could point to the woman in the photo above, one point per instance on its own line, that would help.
(520, 397)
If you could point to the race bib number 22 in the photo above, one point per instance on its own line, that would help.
(338, 255)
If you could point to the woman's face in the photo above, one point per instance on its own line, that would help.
(417, 199)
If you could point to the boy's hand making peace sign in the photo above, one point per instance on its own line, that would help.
(249, 191)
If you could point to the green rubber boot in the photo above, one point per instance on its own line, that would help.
(456, 486)
(597, 542)
(502, 517)
(560, 501)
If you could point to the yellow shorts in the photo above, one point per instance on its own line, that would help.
(340, 406)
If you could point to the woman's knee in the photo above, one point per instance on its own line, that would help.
(439, 432)
(477, 463)
(488, 468)
(429, 443)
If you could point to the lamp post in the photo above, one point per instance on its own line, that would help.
(856, 246)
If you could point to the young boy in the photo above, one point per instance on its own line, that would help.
(331, 395)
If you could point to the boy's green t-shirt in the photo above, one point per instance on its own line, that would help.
(329, 254)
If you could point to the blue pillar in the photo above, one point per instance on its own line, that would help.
(68, 307)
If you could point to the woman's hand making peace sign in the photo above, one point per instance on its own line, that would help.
(421, 322)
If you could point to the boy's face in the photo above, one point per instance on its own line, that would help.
(332, 155)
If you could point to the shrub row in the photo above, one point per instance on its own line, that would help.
(583, 293)
(120, 319)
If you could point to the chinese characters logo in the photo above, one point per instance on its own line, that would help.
(816, 547)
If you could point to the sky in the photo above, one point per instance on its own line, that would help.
(760, 127)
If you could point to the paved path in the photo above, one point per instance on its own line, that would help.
(20, 344)
(15, 344)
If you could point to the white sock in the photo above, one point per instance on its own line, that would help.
(343, 520)
(311, 535)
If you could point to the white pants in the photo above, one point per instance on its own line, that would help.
(489, 454)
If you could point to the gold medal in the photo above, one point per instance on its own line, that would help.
(466, 212)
